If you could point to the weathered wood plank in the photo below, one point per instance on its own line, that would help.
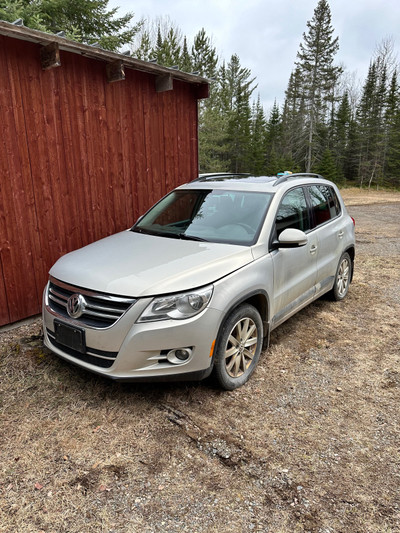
(39, 120)
(20, 246)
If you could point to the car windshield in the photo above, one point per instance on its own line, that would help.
(232, 217)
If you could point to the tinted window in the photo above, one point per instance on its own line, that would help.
(292, 212)
(324, 202)
(334, 204)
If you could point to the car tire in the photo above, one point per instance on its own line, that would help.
(342, 278)
(238, 347)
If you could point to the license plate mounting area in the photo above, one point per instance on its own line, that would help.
(70, 336)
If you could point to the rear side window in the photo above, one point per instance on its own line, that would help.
(293, 212)
(324, 204)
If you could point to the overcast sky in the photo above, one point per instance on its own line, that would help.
(266, 34)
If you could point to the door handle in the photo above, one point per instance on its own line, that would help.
(340, 234)
(313, 249)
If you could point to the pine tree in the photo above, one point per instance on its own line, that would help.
(371, 131)
(273, 141)
(185, 61)
(236, 88)
(145, 49)
(294, 134)
(257, 156)
(275, 164)
(318, 74)
(341, 136)
(167, 51)
(213, 141)
(204, 55)
(392, 123)
(274, 127)
(213, 144)
(327, 166)
(90, 21)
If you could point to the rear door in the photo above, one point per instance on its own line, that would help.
(295, 269)
(329, 227)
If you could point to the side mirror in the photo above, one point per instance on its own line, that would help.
(292, 238)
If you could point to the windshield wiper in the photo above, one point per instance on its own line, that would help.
(168, 234)
(156, 233)
(191, 237)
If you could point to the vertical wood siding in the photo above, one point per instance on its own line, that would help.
(79, 160)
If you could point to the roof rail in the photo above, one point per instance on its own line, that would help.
(287, 177)
(211, 175)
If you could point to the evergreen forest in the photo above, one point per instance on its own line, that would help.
(345, 129)
(328, 123)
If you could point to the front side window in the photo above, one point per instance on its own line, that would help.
(324, 204)
(293, 212)
(232, 217)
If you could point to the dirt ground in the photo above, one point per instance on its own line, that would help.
(311, 443)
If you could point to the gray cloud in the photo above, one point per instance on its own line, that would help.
(266, 34)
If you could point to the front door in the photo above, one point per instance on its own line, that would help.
(295, 269)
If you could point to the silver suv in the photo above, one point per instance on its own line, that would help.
(199, 282)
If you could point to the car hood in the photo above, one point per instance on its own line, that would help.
(135, 265)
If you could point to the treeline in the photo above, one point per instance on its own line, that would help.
(326, 124)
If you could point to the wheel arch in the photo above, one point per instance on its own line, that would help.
(352, 253)
(260, 300)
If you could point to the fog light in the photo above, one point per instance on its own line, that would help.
(179, 355)
(182, 355)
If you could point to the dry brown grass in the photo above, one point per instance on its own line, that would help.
(310, 444)
(357, 196)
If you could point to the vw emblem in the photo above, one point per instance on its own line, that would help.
(76, 305)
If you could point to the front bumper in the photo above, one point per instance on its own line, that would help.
(130, 351)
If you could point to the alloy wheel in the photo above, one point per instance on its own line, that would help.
(343, 277)
(241, 347)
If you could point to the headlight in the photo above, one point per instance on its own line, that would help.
(177, 306)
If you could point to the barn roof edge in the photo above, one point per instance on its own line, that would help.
(42, 38)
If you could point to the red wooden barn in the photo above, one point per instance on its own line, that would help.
(89, 140)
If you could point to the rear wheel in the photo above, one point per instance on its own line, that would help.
(342, 278)
(238, 347)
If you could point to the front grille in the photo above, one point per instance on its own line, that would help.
(93, 356)
(101, 310)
